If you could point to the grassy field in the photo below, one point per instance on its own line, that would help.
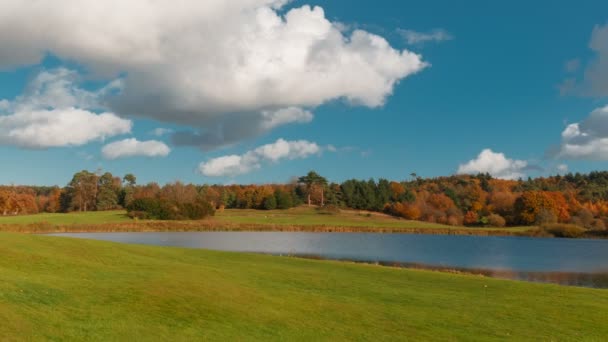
(310, 217)
(62, 288)
(233, 218)
(91, 217)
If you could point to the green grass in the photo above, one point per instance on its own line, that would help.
(69, 289)
(349, 218)
(301, 217)
(91, 217)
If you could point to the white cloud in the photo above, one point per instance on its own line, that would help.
(414, 37)
(159, 132)
(54, 112)
(134, 148)
(496, 164)
(285, 116)
(587, 139)
(233, 165)
(59, 127)
(215, 65)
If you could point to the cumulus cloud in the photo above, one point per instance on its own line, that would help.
(587, 139)
(217, 66)
(233, 165)
(284, 116)
(414, 37)
(60, 127)
(594, 81)
(134, 148)
(496, 164)
(54, 112)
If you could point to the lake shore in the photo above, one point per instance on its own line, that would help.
(212, 225)
(294, 220)
(215, 226)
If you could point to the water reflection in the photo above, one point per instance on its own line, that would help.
(580, 262)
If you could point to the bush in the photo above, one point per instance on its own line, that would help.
(140, 215)
(193, 211)
(270, 203)
(598, 225)
(496, 220)
(546, 216)
(454, 220)
(564, 230)
(284, 199)
(160, 209)
(586, 217)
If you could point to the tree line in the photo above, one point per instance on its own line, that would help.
(471, 200)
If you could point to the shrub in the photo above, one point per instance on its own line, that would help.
(193, 211)
(284, 199)
(586, 217)
(598, 225)
(496, 220)
(161, 209)
(546, 216)
(270, 203)
(454, 220)
(140, 215)
(470, 218)
(564, 230)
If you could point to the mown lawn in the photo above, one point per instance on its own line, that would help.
(71, 289)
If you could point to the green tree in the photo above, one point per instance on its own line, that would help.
(284, 199)
(82, 191)
(130, 179)
(270, 203)
(108, 190)
(313, 181)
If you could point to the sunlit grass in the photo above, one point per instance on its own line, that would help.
(55, 288)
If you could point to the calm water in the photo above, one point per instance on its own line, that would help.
(565, 261)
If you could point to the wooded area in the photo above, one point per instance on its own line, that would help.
(579, 199)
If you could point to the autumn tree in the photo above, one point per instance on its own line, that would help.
(534, 207)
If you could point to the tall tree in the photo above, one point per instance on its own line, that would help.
(107, 197)
(313, 181)
(83, 190)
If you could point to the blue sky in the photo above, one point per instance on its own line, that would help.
(494, 84)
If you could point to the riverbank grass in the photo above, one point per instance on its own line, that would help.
(61, 288)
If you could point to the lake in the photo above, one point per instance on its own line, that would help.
(581, 262)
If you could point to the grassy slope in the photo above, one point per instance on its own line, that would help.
(63, 288)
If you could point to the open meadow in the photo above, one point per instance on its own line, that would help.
(61, 288)
(295, 219)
